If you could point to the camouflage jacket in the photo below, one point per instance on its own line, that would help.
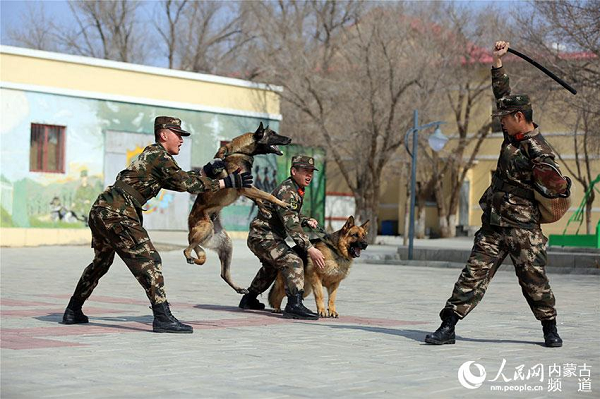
(501, 207)
(151, 171)
(283, 222)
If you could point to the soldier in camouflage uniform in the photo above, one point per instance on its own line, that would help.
(267, 240)
(116, 221)
(511, 218)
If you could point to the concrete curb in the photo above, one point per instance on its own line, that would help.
(457, 265)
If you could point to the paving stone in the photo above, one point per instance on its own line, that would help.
(375, 349)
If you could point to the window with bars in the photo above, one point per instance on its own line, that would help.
(47, 150)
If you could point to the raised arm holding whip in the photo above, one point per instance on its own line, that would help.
(511, 215)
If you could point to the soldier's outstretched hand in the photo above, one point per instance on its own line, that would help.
(238, 180)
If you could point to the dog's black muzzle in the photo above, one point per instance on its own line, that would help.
(279, 140)
(357, 247)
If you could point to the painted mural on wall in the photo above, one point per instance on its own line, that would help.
(269, 171)
(100, 139)
(62, 199)
(37, 198)
(169, 209)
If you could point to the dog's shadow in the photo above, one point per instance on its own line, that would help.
(419, 335)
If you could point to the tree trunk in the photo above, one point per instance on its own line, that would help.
(443, 226)
(420, 222)
(452, 225)
(453, 211)
(420, 211)
(441, 208)
(588, 213)
(366, 209)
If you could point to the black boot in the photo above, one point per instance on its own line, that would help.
(296, 310)
(165, 322)
(444, 334)
(551, 338)
(249, 301)
(73, 313)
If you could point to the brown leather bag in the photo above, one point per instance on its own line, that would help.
(552, 192)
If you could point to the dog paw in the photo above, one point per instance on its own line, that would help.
(322, 313)
(333, 314)
(276, 310)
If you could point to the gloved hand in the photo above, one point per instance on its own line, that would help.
(214, 167)
(237, 180)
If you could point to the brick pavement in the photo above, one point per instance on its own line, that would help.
(375, 349)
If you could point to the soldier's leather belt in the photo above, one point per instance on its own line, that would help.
(139, 200)
(500, 185)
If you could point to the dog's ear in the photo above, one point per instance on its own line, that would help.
(222, 152)
(365, 226)
(260, 132)
(349, 223)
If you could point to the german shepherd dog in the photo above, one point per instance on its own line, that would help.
(205, 228)
(339, 249)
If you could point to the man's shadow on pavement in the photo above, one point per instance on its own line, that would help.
(56, 318)
(236, 309)
(419, 335)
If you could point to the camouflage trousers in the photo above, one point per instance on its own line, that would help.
(276, 256)
(113, 233)
(527, 249)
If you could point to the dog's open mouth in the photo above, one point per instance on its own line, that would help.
(355, 251)
(275, 149)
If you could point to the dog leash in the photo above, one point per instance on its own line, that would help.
(323, 235)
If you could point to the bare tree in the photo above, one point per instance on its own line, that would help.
(35, 30)
(209, 36)
(173, 11)
(566, 34)
(351, 78)
(105, 29)
(468, 34)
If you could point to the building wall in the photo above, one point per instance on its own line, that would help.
(118, 79)
(108, 109)
(94, 127)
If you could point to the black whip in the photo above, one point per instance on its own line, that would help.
(543, 69)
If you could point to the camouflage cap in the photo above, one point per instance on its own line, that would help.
(509, 104)
(171, 123)
(303, 161)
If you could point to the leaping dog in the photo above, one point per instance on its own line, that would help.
(204, 223)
